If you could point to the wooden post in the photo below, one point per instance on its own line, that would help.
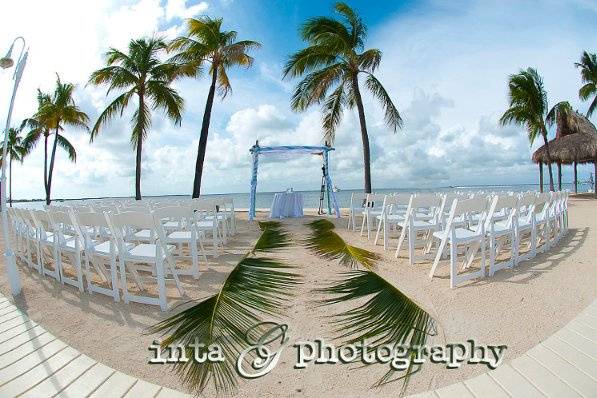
(575, 178)
(540, 177)
(559, 176)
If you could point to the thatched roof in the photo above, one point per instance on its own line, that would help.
(576, 141)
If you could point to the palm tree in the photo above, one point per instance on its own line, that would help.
(16, 151)
(144, 77)
(333, 62)
(207, 42)
(53, 114)
(588, 66)
(529, 108)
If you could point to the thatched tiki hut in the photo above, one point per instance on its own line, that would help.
(575, 143)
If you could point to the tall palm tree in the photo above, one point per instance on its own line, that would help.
(144, 77)
(333, 62)
(206, 42)
(15, 151)
(54, 113)
(588, 72)
(529, 108)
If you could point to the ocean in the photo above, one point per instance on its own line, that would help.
(311, 198)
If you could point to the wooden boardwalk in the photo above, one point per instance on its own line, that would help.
(564, 365)
(34, 363)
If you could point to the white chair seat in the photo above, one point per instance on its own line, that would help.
(422, 224)
(204, 224)
(144, 234)
(501, 228)
(145, 252)
(171, 224)
(462, 235)
(182, 236)
(104, 248)
(50, 238)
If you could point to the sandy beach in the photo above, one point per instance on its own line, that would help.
(517, 307)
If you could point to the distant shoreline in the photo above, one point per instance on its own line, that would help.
(481, 186)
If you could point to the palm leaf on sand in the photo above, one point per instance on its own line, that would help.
(256, 286)
(383, 315)
(329, 245)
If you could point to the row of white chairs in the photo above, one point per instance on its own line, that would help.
(110, 244)
(435, 226)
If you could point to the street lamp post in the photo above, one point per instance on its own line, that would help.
(9, 256)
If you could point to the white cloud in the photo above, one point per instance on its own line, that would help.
(180, 9)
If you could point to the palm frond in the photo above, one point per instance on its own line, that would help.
(332, 113)
(383, 315)
(562, 108)
(392, 116)
(326, 243)
(68, 147)
(117, 106)
(257, 286)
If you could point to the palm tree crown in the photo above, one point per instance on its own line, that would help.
(143, 76)
(529, 108)
(206, 42)
(331, 66)
(588, 73)
(54, 113)
(15, 150)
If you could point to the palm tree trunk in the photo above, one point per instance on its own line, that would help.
(364, 135)
(51, 170)
(10, 182)
(139, 154)
(551, 188)
(204, 132)
(46, 163)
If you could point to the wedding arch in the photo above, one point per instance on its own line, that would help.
(322, 150)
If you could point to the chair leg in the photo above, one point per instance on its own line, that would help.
(411, 245)
(453, 265)
(194, 259)
(161, 282)
(77, 256)
(491, 255)
(377, 234)
(114, 278)
(438, 256)
(400, 241)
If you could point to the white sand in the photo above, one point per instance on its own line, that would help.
(518, 308)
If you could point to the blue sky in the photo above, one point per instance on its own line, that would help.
(445, 64)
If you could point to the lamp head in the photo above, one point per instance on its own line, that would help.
(7, 61)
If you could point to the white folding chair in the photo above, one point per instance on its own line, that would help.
(157, 255)
(67, 243)
(373, 208)
(100, 255)
(357, 208)
(422, 218)
(502, 232)
(44, 240)
(185, 234)
(455, 237)
(393, 212)
(205, 220)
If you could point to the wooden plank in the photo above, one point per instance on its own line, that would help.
(513, 382)
(39, 373)
(7, 310)
(425, 394)
(26, 363)
(115, 386)
(578, 341)
(457, 390)
(169, 393)
(60, 379)
(587, 332)
(142, 389)
(88, 382)
(25, 349)
(484, 386)
(544, 380)
(20, 339)
(18, 320)
(16, 331)
(572, 355)
(579, 381)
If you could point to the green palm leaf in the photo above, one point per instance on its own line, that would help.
(328, 244)
(383, 316)
(257, 286)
